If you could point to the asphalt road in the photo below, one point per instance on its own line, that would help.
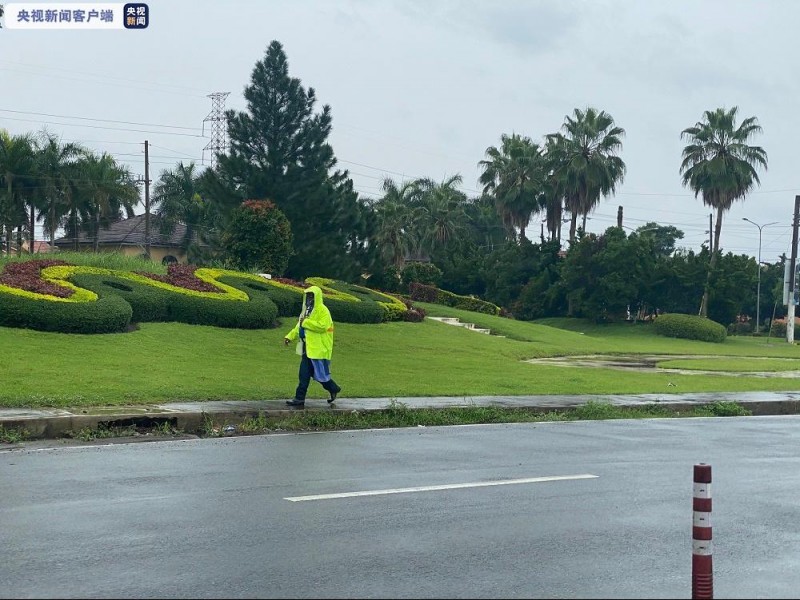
(551, 510)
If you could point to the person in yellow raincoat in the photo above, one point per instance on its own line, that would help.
(314, 332)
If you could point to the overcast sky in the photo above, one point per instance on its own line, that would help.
(423, 88)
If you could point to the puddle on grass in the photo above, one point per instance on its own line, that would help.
(648, 364)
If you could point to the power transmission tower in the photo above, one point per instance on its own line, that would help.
(218, 142)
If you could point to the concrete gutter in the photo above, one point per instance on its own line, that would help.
(191, 416)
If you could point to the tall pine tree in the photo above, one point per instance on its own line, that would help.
(279, 151)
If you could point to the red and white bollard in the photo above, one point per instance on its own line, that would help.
(702, 567)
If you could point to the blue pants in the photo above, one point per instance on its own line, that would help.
(305, 374)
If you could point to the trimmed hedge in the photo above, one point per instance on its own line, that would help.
(259, 312)
(355, 312)
(148, 303)
(103, 300)
(105, 315)
(393, 308)
(690, 327)
(434, 295)
(287, 301)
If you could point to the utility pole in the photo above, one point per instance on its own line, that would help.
(619, 217)
(790, 315)
(147, 198)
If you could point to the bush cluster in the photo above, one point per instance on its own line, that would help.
(418, 272)
(106, 315)
(182, 276)
(393, 309)
(103, 300)
(434, 295)
(690, 327)
(27, 275)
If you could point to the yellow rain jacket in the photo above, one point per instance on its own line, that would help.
(317, 327)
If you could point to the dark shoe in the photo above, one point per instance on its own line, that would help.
(297, 403)
(332, 399)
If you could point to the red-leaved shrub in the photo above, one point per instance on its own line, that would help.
(27, 275)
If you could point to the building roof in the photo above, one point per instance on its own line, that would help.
(130, 232)
(38, 246)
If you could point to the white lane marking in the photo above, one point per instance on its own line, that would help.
(433, 488)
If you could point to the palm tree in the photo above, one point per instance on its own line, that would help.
(553, 193)
(719, 165)
(179, 199)
(112, 190)
(588, 165)
(442, 212)
(54, 161)
(17, 168)
(397, 214)
(514, 174)
(77, 198)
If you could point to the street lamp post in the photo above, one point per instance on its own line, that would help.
(758, 266)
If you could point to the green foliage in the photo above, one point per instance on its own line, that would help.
(104, 301)
(584, 158)
(259, 312)
(258, 237)
(148, 303)
(507, 269)
(420, 272)
(106, 315)
(393, 309)
(288, 301)
(603, 275)
(355, 312)
(514, 175)
(723, 409)
(279, 150)
(13, 435)
(427, 293)
(733, 286)
(114, 261)
(690, 327)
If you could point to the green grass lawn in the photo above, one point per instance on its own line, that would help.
(174, 362)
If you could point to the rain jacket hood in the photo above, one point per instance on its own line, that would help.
(317, 326)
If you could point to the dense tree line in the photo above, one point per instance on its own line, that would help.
(423, 229)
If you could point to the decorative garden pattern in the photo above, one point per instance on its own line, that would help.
(52, 295)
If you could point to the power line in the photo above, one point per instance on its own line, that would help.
(39, 114)
(138, 87)
(379, 169)
(103, 127)
(104, 75)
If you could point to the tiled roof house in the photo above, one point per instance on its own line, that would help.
(128, 237)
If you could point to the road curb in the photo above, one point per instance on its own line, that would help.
(56, 426)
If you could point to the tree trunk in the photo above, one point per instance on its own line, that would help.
(573, 224)
(33, 228)
(711, 265)
(52, 227)
(75, 229)
(9, 227)
(97, 230)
